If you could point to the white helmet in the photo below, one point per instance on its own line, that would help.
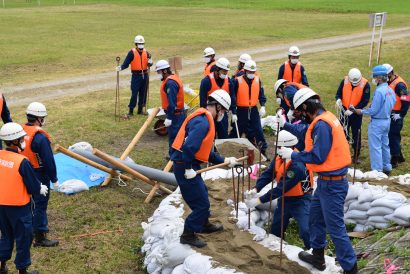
(208, 51)
(244, 58)
(36, 109)
(11, 132)
(222, 97)
(278, 84)
(294, 51)
(354, 76)
(250, 65)
(388, 67)
(302, 95)
(139, 39)
(223, 63)
(286, 139)
(161, 64)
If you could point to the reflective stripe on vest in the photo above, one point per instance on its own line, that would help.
(180, 94)
(208, 67)
(1, 103)
(33, 157)
(396, 81)
(13, 191)
(207, 143)
(247, 95)
(294, 75)
(140, 62)
(339, 154)
(352, 95)
(214, 85)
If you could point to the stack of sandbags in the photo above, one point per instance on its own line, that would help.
(370, 175)
(402, 179)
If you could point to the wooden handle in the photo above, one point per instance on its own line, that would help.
(220, 165)
(89, 162)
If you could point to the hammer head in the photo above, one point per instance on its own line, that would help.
(251, 156)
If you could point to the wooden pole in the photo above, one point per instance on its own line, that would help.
(89, 162)
(157, 185)
(127, 169)
(134, 141)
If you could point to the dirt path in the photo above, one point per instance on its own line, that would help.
(42, 91)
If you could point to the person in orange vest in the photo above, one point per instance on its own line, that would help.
(17, 183)
(285, 91)
(193, 146)
(140, 60)
(4, 112)
(172, 99)
(241, 62)
(218, 79)
(353, 90)
(209, 59)
(327, 153)
(400, 108)
(249, 91)
(298, 190)
(292, 70)
(41, 157)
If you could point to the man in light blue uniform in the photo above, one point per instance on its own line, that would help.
(379, 111)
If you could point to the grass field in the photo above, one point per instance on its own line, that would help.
(57, 41)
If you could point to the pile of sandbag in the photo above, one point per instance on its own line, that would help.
(368, 206)
(369, 175)
(402, 179)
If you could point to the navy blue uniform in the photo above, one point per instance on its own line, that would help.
(397, 125)
(5, 115)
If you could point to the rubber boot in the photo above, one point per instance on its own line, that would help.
(211, 228)
(131, 112)
(316, 259)
(190, 238)
(24, 271)
(40, 239)
(3, 268)
(351, 271)
(394, 161)
(139, 110)
(401, 158)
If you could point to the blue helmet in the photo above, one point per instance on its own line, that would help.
(379, 70)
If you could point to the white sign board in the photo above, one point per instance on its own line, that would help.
(377, 19)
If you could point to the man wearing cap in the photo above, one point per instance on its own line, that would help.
(4, 112)
(292, 70)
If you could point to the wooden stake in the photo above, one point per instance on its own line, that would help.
(220, 165)
(157, 185)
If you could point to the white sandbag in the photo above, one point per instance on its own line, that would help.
(365, 196)
(377, 219)
(255, 216)
(240, 213)
(378, 225)
(220, 270)
(243, 222)
(175, 254)
(264, 215)
(356, 214)
(361, 221)
(159, 228)
(353, 192)
(259, 233)
(359, 206)
(167, 270)
(379, 210)
(179, 269)
(374, 174)
(349, 221)
(362, 228)
(349, 202)
(167, 212)
(403, 212)
(260, 223)
(81, 146)
(73, 186)
(389, 201)
(197, 264)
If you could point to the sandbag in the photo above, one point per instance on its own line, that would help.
(73, 186)
(167, 270)
(381, 211)
(197, 264)
(356, 214)
(259, 233)
(349, 221)
(359, 206)
(403, 212)
(353, 192)
(220, 270)
(377, 219)
(388, 202)
(378, 225)
(175, 254)
(179, 269)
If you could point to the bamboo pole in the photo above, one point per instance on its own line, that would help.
(157, 185)
(127, 169)
(134, 141)
(89, 162)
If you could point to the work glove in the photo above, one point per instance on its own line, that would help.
(232, 161)
(285, 153)
(395, 116)
(190, 173)
(234, 118)
(290, 115)
(43, 190)
(279, 101)
(252, 203)
(355, 110)
(339, 103)
(56, 186)
(262, 112)
(348, 112)
(280, 118)
(251, 194)
(167, 122)
(118, 68)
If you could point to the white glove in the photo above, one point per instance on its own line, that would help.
(118, 68)
(280, 118)
(43, 190)
(285, 153)
(232, 161)
(252, 203)
(348, 112)
(167, 122)
(339, 103)
(262, 112)
(190, 173)
(396, 116)
(279, 101)
(234, 118)
(56, 186)
(251, 194)
(290, 115)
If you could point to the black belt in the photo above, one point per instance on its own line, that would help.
(139, 71)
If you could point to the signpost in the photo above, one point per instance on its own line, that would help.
(376, 20)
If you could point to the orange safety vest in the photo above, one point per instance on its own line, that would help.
(207, 143)
(352, 95)
(294, 75)
(393, 84)
(28, 152)
(207, 68)
(297, 85)
(1, 103)
(140, 62)
(339, 154)
(180, 94)
(13, 191)
(297, 189)
(214, 85)
(247, 95)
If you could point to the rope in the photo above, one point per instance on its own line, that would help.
(120, 182)
(146, 193)
(343, 118)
